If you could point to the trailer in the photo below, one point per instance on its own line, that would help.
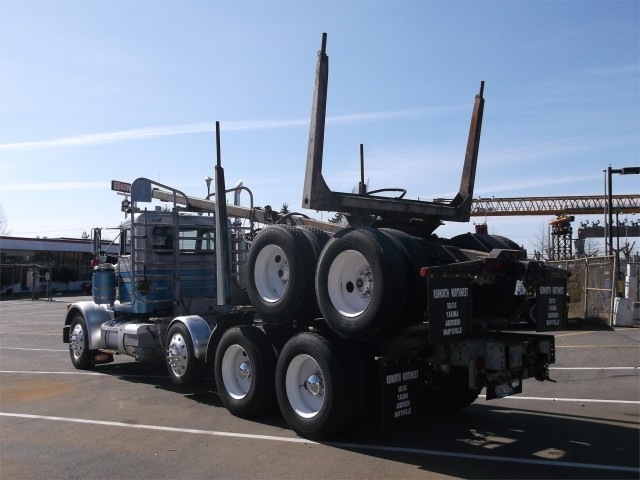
(321, 320)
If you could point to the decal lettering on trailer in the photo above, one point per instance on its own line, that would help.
(400, 382)
(551, 306)
(449, 309)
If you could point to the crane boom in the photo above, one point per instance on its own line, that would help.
(574, 205)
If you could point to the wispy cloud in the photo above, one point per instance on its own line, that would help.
(561, 148)
(208, 127)
(614, 70)
(519, 186)
(536, 182)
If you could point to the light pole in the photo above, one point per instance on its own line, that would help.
(610, 172)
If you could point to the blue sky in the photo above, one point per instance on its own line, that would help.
(98, 90)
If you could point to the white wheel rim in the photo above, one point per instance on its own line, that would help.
(236, 372)
(178, 355)
(271, 274)
(350, 283)
(305, 386)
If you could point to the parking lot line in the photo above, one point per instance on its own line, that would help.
(358, 446)
(35, 349)
(596, 346)
(581, 400)
(574, 333)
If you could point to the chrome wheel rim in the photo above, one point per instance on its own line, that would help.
(236, 372)
(178, 355)
(304, 384)
(76, 341)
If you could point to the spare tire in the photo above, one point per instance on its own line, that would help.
(280, 274)
(361, 283)
(414, 258)
(507, 242)
(482, 242)
(317, 237)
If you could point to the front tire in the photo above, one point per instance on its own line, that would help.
(317, 385)
(81, 356)
(244, 371)
(183, 366)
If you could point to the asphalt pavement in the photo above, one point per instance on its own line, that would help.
(127, 420)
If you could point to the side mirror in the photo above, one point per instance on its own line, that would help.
(96, 242)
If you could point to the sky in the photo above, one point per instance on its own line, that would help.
(94, 91)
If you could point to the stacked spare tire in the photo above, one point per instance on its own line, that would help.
(361, 281)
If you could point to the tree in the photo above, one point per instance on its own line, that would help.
(284, 210)
(4, 223)
(542, 244)
(626, 250)
(337, 218)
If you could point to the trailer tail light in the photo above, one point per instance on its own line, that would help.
(495, 265)
(424, 271)
(478, 370)
(508, 254)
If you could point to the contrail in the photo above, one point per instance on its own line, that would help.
(209, 127)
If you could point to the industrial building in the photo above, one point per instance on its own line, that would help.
(44, 266)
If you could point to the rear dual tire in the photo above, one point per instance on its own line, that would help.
(244, 371)
(318, 385)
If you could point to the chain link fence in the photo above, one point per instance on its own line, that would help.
(594, 285)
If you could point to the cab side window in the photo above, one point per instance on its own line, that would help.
(125, 242)
(162, 238)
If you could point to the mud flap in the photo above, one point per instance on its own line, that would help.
(400, 383)
(551, 305)
(101, 358)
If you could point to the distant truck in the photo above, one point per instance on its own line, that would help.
(320, 319)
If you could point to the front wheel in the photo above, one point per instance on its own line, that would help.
(183, 366)
(81, 356)
(317, 386)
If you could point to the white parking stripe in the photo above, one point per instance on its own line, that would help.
(34, 349)
(96, 374)
(594, 368)
(582, 400)
(359, 446)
